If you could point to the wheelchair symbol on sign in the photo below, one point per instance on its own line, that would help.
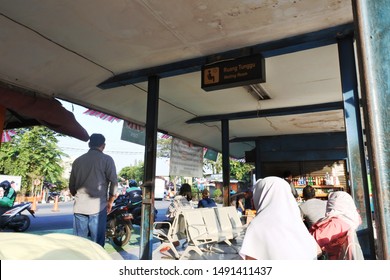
(211, 76)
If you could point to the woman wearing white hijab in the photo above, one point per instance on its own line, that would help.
(341, 204)
(277, 232)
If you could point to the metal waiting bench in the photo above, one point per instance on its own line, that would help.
(202, 227)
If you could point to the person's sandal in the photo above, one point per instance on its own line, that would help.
(164, 249)
(175, 243)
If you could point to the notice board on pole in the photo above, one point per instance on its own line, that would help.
(186, 159)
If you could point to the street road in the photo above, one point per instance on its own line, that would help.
(46, 219)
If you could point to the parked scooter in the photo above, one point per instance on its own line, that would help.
(13, 219)
(119, 225)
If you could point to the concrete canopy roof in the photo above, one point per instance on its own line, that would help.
(69, 49)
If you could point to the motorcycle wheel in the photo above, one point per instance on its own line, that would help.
(21, 223)
(122, 235)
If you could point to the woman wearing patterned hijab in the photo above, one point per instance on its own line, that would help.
(336, 233)
(277, 232)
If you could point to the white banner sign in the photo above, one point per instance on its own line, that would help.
(186, 159)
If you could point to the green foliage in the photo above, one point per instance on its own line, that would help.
(214, 166)
(241, 171)
(32, 153)
(217, 193)
(238, 170)
(195, 192)
(133, 172)
(164, 147)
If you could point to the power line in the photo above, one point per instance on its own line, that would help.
(106, 151)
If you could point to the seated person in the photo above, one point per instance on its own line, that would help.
(248, 200)
(239, 204)
(336, 232)
(277, 232)
(8, 199)
(181, 201)
(133, 192)
(312, 209)
(249, 207)
(133, 186)
(206, 201)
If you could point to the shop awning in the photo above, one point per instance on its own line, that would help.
(26, 109)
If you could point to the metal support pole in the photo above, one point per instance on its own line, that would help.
(373, 30)
(355, 147)
(258, 160)
(225, 162)
(146, 248)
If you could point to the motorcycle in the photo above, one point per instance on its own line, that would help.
(52, 196)
(133, 200)
(13, 218)
(119, 225)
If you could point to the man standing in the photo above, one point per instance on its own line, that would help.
(93, 182)
(289, 178)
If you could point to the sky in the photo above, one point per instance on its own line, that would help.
(124, 153)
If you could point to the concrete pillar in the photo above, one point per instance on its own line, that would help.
(373, 42)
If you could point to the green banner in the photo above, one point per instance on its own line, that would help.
(211, 155)
(132, 135)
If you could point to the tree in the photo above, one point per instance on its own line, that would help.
(238, 170)
(32, 153)
(214, 166)
(133, 172)
(136, 172)
(164, 147)
(218, 196)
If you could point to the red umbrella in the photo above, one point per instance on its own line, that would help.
(46, 111)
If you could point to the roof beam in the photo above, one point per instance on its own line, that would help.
(288, 45)
(297, 147)
(270, 112)
(299, 141)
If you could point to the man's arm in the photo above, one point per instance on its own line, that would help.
(113, 181)
(111, 176)
(72, 186)
(110, 201)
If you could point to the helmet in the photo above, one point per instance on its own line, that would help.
(5, 185)
(133, 183)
